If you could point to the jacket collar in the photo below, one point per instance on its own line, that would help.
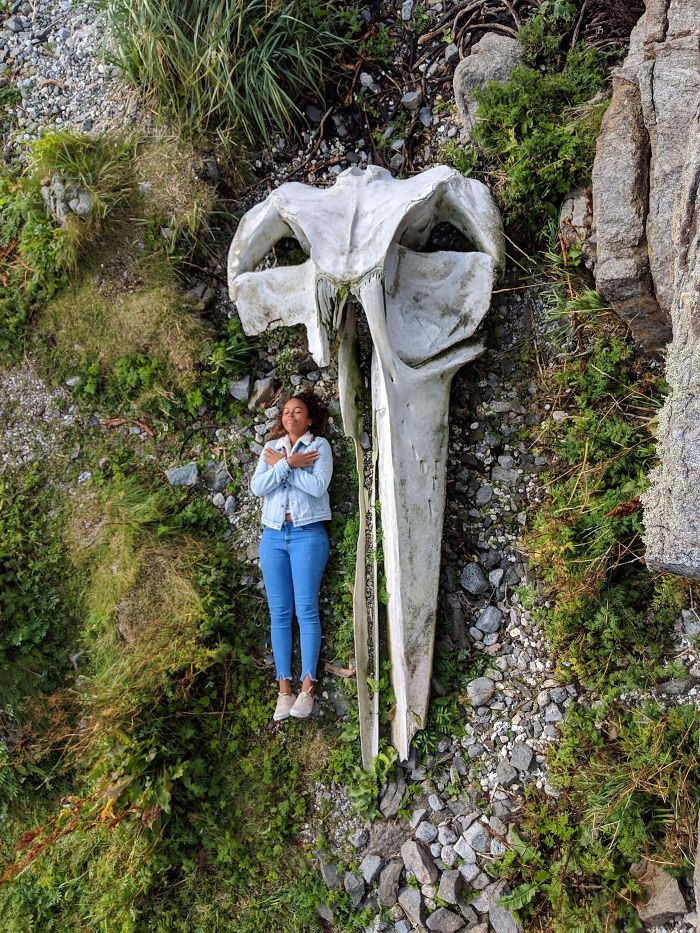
(285, 442)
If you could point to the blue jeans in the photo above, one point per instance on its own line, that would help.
(292, 561)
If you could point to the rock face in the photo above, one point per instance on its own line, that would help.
(672, 504)
(664, 900)
(492, 59)
(639, 160)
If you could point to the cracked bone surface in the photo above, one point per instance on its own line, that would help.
(366, 275)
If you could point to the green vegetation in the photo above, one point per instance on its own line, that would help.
(135, 793)
(538, 134)
(231, 70)
(627, 772)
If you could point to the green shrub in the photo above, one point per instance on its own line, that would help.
(538, 136)
(232, 69)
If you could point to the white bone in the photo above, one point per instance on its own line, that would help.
(362, 237)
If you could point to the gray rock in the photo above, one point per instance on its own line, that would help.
(451, 886)
(411, 900)
(521, 756)
(387, 836)
(493, 58)
(664, 899)
(218, 500)
(483, 495)
(444, 921)
(216, 476)
(436, 803)
(359, 838)
(426, 117)
(478, 837)
(691, 622)
(417, 817)
(469, 871)
(73, 381)
(412, 100)
(464, 850)
(183, 475)
(390, 803)
(506, 773)
(355, 887)
(389, 883)
(419, 861)
(82, 205)
(406, 10)
(240, 390)
(330, 875)
(230, 505)
(451, 54)
(448, 856)
(446, 835)
(672, 505)
(263, 392)
(503, 921)
(370, 866)
(552, 713)
(490, 620)
(480, 691)
(426, 832)
(473, 579)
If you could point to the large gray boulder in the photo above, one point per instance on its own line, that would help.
(672, 503)
(639, 160)
(493, 58)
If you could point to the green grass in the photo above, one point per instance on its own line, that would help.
(230, 70)
(148, 783)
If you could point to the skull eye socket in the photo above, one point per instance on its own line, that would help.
(286, 252)
(444, 237)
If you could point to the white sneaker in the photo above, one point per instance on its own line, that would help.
(303, 705)
(285, 702)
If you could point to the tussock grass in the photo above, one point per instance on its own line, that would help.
(229, 68)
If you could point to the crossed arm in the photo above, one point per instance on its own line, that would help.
(273, 469)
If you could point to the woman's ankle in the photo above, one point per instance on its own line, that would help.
(285, 686)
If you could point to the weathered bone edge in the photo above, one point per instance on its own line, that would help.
(363, 238)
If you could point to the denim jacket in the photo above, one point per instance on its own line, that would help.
(307, 487)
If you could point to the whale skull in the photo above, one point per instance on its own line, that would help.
(362, 238)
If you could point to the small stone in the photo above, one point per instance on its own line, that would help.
(355, 887)
(263, 391)
(183, 475)
(665, 901)
(73, 381)
(412, 100)
(521, 756)
(330, 875)
(552, 713)
(389, 883)
(480, 690)
(464, 850)
(359, 838)
(478, 837)
(417, 817)
(473, 579)
(425, 116)
(370, 866)
(406, 10)
(240, 390)
(218, 500)
(444, 921)
(483, 495)
(391, 800)
(426, 832)
(495, 577)
(446, 835)
(490, 620)
(230, 505)
(419, 861)
(506, 773)
(451, 886)
(216, 475)
(469, 871)
(411, 900)
(436, 803)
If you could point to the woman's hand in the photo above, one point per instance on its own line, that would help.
(273, 456)
(302, 460)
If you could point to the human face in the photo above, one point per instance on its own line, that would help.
(295, 419)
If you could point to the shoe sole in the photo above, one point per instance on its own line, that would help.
(300, 715)
(277, 718)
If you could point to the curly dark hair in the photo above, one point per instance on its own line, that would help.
(317, 412)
